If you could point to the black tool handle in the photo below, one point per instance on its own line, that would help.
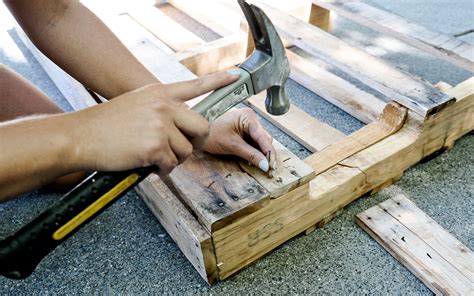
(21, 252)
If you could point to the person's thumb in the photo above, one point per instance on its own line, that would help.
(186, 90)
(251, 154)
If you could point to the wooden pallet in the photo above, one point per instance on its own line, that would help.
(223, 214)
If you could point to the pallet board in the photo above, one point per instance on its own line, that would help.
(406, 89)
(438, 259)
(449, 48)
(224, 214)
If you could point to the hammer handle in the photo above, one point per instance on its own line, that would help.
(221, 100)
(21, 252)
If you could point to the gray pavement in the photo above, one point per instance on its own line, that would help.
(126, 251)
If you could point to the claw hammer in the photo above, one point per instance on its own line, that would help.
(266, 68)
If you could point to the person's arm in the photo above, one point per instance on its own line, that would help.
(148, 126)
(33, 151)
(80, 43)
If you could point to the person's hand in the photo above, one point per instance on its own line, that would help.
(235, 132)
(148, 126)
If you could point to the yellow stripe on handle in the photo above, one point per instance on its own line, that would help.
(95, 207)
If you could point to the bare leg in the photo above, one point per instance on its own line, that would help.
(18, 98)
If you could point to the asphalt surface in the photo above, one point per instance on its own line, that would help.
(126, 251)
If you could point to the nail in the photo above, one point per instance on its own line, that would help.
(235, 72)
(263, 165)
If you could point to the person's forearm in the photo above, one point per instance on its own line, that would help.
(79, 42)
(34, 151)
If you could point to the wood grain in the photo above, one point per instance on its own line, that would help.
(410, 91)
(391, 120)
(289, 173)
(418, 242)
(320, 17)
(307, 130)
(414, 219)
(334, 89)
(191, 237)
(449, 48)
(217, 190)
(165, 28)
(224, 21)
(214, 56)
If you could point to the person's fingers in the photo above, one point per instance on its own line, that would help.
(166, 160)
(193, 125)
(259, 135)
(242, 149)
(186, 90)
(181, 147)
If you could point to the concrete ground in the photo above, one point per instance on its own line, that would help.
(126, 251)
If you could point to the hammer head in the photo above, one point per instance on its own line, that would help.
(268, 65)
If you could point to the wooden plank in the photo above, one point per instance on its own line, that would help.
(224, 21)
(109, 11)
(214, 56)
(412, 92)
(334, 89)
(289, 172)
(320, 17)
(442, 46)
(74, 92)
(140, 43)
(190, 236)
(443, 86)
(217, 190)
(440, 240)
(427, 263)
(249, 238)
(391, 120)
(307, 130)
(165, 28)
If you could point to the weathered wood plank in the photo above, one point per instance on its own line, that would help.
(139, 42)
(391, 120)
(418, 255)
(289, 172)
(224, 21)
(214, 56)
(217, 190)
(165, 28)
(190, 236)
(320, 17)
(410, 91)
(442, 46)
(307, 130)
(334, 89)
(440, 240)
